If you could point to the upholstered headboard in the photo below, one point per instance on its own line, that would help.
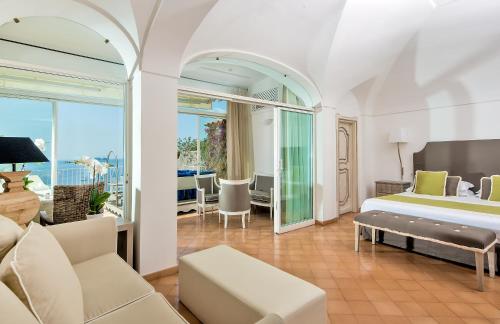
(469, 159)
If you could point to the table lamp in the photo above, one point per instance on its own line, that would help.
(15, 202)
(399, 136)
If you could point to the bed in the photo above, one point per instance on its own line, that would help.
(464, 217)
(469, 159)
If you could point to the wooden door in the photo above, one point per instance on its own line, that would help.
(346, 166)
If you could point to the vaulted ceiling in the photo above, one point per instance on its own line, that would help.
(340, 47)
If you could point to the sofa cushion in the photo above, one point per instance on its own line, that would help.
(109, 283)
(40, 274)
(153, 309)
(259, 195)
(212, 198)
(12, 309)
(10, 232)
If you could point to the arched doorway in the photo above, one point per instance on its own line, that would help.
(63, 85)
(273, 107)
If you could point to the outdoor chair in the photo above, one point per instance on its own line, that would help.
(234, 199)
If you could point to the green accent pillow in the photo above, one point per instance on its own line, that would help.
(431, 183)
(495, 188)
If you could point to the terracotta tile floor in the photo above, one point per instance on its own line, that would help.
(380, 284)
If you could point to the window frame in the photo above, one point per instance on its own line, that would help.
(54, 101)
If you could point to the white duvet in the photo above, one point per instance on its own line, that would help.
(464, 217)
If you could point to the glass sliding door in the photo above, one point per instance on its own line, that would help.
(294, 170)
(201, 149)
(95, 131)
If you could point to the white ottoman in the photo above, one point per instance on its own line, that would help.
(222, 285)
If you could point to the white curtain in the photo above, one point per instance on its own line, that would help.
(240, 162)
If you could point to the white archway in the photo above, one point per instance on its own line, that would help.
(300, 84)
(82, 12)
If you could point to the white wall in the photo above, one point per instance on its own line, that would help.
(326, 164)
(444, 86)
(467, 122)
(154, 169)
(263, 140)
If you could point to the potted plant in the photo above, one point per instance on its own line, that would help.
(97, 197)
(97, 200)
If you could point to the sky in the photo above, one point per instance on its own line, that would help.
(186, 126)
(83, 129)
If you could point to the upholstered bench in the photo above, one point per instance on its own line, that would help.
(222, 285)
(474, 239)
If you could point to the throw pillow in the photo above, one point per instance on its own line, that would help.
(484, 192)
(431, 182)
(495, 188)
(38, 271)
(452, 185)
(10, 232)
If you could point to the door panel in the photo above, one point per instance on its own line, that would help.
(345, 163)
(294, 170)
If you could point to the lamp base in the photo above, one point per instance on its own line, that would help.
(16, 203)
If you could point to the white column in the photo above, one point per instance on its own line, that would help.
(326, 165)
(154, 164)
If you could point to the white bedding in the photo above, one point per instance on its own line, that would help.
(483, 220)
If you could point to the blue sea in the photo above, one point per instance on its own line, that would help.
(69, 173)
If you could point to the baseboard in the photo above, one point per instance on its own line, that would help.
(329, 221)
(162, 273)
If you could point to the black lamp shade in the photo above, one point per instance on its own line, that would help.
(19, 150)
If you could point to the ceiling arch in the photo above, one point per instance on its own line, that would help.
(297, 82)
(294, 33)
(80, 12)
(171, 28)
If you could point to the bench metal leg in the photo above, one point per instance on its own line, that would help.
(374, 235)
(381, 236)
(480, 270)
(491, 262)
(356, 237)
(410, 243)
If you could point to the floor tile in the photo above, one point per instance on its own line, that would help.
(380, 284)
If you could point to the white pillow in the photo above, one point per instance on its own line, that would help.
(38, 271)
(463, 188)
(468, 193)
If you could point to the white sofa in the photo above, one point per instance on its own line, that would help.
(112, 291)
(222, 285)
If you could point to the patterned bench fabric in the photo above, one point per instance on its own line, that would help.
(467, 236)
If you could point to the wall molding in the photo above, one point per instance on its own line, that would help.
(162, 273)
(326, 222)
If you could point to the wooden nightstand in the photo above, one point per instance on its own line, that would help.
(389, 187)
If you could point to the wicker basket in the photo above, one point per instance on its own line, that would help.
(71, 203)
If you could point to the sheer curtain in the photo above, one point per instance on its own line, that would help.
(240, 163)
(297, 168)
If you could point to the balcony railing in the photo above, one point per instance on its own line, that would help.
(79, 175)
